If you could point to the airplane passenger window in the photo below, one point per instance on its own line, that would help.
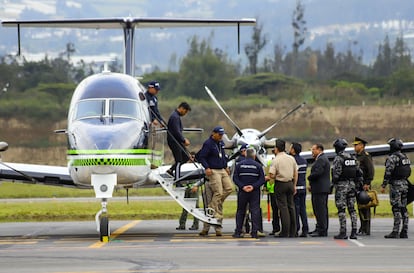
(124, 108)
(90, 109)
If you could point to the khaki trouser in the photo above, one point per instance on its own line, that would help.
(208, 196)
(221, 187)
(217, 189)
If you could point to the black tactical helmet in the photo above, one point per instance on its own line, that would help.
(340, 145)
(363, 198)
(395, 144)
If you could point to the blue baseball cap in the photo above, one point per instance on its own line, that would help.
(219, 130)
(154, 84)
(243, 147)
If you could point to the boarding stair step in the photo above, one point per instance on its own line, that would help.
(189, 204)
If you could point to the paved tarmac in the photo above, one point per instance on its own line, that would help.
(155, 246)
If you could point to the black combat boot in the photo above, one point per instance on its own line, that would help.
(403, 234)
(341, 236)
(392, 235)
(194, 227)
(353, 234)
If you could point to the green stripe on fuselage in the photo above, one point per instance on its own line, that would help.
(110, 162)
(123, 152)
(115, 157)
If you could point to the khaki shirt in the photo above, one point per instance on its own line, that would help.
(284, 167)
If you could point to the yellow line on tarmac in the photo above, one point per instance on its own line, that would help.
(116, 233)
(311, 243)
(17, 242)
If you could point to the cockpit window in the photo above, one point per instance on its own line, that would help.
(90, 109)
(124, 108)
(108, 108)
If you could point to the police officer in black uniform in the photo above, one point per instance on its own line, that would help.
(249, 177)
(397, 170)
(151, 95)
(300, 196)
(367, 167)
(346, 177)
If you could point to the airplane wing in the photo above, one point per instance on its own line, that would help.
(128, 23)
(187, 130)
(119, 22)
(373, 150)
(33, 173)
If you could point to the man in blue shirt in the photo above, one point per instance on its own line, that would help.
(249, 177)
(214, 160)
(175, 139)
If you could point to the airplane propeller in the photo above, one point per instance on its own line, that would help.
(222, 110)
(251, 137)
(281, 119)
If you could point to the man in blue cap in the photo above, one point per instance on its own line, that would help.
(246, 224)
(214, 160)
(242, 156)
(249, 177)
(242, 151)
(152, 90)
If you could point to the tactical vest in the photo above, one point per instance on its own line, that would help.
(349, 167)
(402, 169)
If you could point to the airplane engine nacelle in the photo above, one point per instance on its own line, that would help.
(269, 143)
(229, 144)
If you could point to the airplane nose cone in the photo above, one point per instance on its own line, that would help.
(103, 144)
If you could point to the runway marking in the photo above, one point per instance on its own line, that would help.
(213, 240)
(186, 235)
(341, 242)
(311, 243)
(358, 243)
(71, 241)
(12, 242)
(116, 233)
(133, 241)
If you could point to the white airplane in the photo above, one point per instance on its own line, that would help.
(257, 139)
(110, 140)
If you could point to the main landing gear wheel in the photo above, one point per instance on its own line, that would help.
(104, 229)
